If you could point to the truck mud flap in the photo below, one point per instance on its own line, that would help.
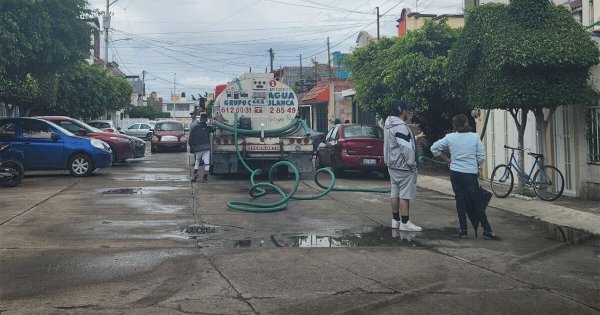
(302, 161)
(224, 163)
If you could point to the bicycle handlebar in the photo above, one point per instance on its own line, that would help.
(507, 147)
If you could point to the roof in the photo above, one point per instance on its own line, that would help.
(320, 93)
(458, 16)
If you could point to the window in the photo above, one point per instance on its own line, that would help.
(362, 132)
(182, 107)
(593, 134)
(169, 127)
(7, 130)
(100, 125)
(144, 126)
(34, 129)
(69, 126)
(134, 127)
(170, 107)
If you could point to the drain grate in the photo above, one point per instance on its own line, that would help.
(198, 231)
(123, 191)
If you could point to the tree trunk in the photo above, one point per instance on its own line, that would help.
(520, 118)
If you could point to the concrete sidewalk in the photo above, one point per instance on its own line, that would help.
(584, 218)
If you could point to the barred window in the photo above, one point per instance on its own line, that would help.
(593, 134)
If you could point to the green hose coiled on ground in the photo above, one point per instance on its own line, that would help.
(259, 189)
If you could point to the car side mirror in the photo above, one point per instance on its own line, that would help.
(118, 128)
(151, 129)
(54, 136)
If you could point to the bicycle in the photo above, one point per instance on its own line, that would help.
(548, 182)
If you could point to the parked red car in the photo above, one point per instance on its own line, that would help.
(121, 146)
(168, 134)
(352, 147)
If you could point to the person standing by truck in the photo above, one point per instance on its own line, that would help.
(199, 142)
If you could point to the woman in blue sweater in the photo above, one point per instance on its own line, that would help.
(467, 153)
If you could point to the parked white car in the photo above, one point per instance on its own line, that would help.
(140, 130)
(105, 125)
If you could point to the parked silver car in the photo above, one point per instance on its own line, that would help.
(140, 130)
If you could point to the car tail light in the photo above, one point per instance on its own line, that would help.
(299, 141)
(217, 140)
(306, 140)
(291, 141)
(155, 139)
(225, 141)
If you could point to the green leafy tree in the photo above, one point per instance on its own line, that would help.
(527, 56)
(88, 91)
(146, 112)
(39, 39)
(413, 68)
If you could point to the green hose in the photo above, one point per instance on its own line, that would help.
(258, 189)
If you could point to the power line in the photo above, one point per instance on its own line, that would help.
(321, 8)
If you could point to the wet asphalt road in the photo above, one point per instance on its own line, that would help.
(139, 238)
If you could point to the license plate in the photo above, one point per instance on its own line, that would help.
(263, 148)
(369, 161)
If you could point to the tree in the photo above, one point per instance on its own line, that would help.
(413, 68)
(529, 55)
(146, 112)
(88, 91)
(39, 39)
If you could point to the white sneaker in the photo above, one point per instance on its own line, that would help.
(395, 224)
(410, 227)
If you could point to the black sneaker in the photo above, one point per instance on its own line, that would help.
(205, 178)
(491, 236)
(195, 178)
(462, 235)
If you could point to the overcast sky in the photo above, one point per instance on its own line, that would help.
(209, 42)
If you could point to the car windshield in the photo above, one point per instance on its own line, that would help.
(362, 132)
(169, 127)
(99, 124)
(61, 129)
(86, 126)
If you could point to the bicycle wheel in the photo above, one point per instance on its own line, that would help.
(502, 181)
(548, 183)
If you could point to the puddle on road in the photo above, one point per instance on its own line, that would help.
(161, 169)
(138, 190)
(122, 191)
(156, 177)
(212, 239)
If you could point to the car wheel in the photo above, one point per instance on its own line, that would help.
(17, 174)
(81, 165)
(336, 170)
(114, 154)
(149, 136)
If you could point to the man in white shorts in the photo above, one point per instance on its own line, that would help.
(400, 155)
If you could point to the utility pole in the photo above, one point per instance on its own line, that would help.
(329, 58)
(416, 6)
(106, 24)
(377, 22)
(272, 57)
(174, 85)
(144, 81)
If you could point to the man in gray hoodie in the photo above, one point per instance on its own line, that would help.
(400, 155)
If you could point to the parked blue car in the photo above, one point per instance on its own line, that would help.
(46, 146)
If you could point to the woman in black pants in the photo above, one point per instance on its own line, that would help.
(467, 154)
